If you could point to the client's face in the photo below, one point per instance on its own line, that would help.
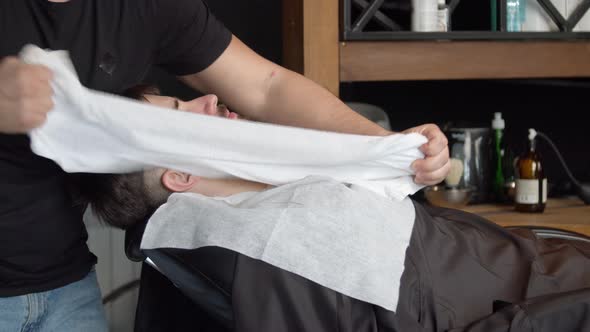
(172, 180)
(206, 105)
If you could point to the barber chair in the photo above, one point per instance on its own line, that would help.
(213, 289)
(184, 290)
(552, 233)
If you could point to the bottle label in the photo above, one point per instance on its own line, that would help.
(527, 191)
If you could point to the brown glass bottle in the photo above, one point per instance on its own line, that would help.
(531, 184)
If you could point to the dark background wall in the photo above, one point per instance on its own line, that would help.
(255, 22)
(556, 107)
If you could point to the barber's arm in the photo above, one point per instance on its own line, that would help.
(264, 91)
(25, 95)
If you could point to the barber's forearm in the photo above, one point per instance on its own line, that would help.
(297, 101)
(264, 91)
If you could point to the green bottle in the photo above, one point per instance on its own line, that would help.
(494, 15)
(498, 182)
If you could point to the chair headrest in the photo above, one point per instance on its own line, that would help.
(133, 237)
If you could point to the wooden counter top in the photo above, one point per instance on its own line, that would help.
(569, 214)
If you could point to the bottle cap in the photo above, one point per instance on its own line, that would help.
(532, 134)
(498, 122)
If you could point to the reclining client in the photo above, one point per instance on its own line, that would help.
(460, 270)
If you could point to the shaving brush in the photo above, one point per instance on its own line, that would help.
(454, 177)
(450, 196)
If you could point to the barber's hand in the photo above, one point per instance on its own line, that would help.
(436, 164)
(25, 95)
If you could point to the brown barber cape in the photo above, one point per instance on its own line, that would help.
(462, 273)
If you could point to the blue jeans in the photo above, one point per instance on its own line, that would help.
(74, 307)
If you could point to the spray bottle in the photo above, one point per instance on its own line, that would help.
(443, 17)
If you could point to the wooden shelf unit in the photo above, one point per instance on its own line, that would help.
(312, 47)
(432, 60)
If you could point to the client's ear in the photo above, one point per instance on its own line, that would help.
(176, 181)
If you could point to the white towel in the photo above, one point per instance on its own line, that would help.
(94, 132)
(353, 240)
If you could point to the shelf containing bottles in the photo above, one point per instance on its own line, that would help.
(314, 46)
(436, 60)
(375, 20)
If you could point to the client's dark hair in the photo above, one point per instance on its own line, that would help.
(139, 91)
(122, 200)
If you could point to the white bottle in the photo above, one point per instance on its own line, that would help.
(424, 15)
(442, 16)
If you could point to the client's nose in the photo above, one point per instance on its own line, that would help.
(210, 104)
(203, 105)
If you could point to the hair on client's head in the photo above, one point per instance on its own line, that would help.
(124, 200)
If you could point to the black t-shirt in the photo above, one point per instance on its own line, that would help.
(113, 44)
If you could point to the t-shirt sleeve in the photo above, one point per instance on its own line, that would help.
(188, 36)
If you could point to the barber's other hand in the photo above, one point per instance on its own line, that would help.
(25, 95)
(436, 164)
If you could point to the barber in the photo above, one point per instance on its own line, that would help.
(46, 270)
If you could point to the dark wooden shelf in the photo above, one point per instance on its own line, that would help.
(433, 60)
(312, 47)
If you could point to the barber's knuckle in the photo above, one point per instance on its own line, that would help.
(23, 119)
(41, 106)
(426, 174)
(44, 73)
(22, 106)
(31, 120)
(433, 150)
(31, 79)
(27, 108)
(428, 180)
(38, 120)
(417, 164)
(22, 83)
(40, 77)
